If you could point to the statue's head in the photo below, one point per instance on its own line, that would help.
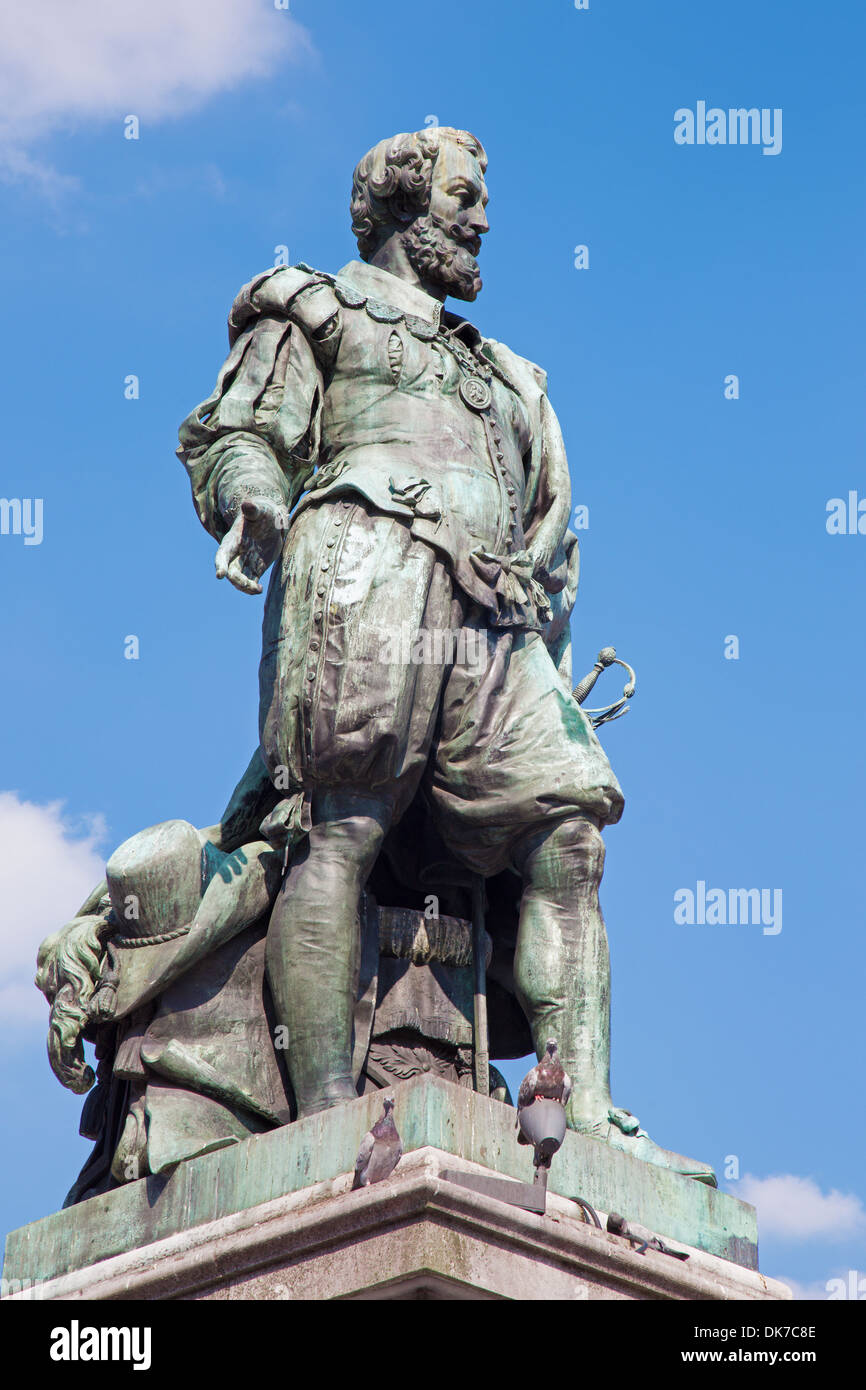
(428, 188)
(67, 971)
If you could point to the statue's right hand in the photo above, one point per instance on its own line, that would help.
(252, 543)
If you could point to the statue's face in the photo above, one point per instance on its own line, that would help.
(458, 195)
(442, 245)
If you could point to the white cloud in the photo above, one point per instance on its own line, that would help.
(795, 1208)
(65, 62)
(47, 869)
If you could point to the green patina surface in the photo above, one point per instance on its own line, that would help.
(429, 1111)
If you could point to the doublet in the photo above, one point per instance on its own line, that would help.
(370, 381)
(418, 461)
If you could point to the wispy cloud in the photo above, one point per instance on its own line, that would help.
(795, 1208)
(63, 65)
(17, 166)
(47, 869)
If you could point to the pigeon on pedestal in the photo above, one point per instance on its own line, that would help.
(641, 1237)
(380, 1152)
(547, 1080)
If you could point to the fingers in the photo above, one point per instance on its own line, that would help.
(241, 580)
(229, 548)
(250, 544)
(230, 565)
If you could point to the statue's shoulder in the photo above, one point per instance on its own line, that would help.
(526, 375)
(298, 292)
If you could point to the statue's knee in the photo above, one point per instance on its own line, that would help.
(575, 844)
(349, 830)
(581, 839)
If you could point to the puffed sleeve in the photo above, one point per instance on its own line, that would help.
(258, 432)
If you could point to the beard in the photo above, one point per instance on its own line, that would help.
(439, 259)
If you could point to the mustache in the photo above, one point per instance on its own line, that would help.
(472, 243)
(466, 236)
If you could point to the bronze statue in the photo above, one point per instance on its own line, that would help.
(421, 752)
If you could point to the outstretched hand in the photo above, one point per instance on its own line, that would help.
(252, 543)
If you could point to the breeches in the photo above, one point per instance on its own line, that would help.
(378, 672)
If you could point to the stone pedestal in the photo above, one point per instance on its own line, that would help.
(274, 1217)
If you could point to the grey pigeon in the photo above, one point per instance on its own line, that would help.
(641, 1237)
(380, 1152)
(547, 1080)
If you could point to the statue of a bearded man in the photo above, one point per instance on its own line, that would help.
(406, 478)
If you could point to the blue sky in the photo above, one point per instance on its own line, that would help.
(707, 516)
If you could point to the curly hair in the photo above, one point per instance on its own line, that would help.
(68, 968)
(391, 184)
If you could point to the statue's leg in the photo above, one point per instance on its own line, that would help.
(346, 706)
(313, 944)
(521, 781)
(562, 977)
(562, 965)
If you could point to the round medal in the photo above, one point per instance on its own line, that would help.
(475, 393)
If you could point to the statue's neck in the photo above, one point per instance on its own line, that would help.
(391, 256)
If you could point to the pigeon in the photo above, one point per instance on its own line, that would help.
(380, 1152)
(548, 1080)
(641, 1237)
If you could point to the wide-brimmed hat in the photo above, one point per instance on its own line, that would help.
(155, 885)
